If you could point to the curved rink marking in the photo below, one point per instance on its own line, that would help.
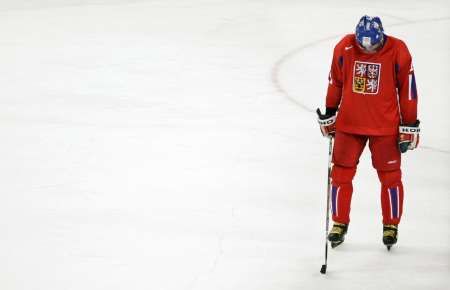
(291, 54)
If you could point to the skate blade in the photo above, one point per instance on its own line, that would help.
(335, 244)
(389, 245)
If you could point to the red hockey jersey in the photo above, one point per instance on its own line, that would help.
(374, 92)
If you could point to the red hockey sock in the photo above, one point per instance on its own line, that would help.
(391, 196)
(341, 193)
(341, 197)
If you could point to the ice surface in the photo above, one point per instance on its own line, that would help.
(171, 145)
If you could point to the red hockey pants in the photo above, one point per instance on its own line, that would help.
(386, 160)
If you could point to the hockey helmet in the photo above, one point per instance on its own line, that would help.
(369, 33)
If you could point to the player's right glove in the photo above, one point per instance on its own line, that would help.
(408, 137)
(327, 122)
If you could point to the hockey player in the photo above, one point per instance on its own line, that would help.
(371, 98)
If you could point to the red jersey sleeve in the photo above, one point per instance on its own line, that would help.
(406, 85)
(335, 79)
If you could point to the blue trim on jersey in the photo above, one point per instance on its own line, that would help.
(413, 87)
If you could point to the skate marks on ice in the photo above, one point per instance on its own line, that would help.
(284, 59)
(26, 5)
(354, 263)
(297, 100)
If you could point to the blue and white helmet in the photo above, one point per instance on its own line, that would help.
(369, 32)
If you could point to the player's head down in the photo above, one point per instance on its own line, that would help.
(369, 33)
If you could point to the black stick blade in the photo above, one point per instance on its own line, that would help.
(323, 270)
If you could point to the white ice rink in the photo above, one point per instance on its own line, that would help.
(172, 145)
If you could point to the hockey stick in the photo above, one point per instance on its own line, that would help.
(323, 270)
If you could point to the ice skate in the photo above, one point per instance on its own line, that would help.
(390, 233)
(337, 234)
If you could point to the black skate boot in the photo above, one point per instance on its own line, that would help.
(390, 233)
(337, 234)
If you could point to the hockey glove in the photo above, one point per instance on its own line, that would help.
(327, 122)
(408, 138)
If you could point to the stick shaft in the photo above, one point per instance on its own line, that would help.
(330, 153)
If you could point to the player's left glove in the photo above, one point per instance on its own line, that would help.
(408, 138)
(327, 122)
